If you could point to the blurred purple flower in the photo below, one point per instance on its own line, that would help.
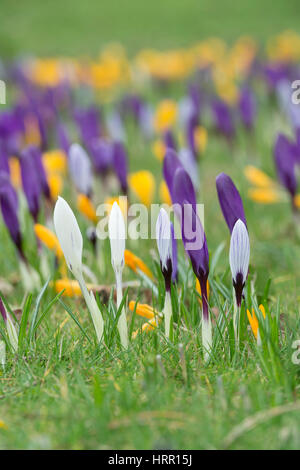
(247, 107)
(120, 163)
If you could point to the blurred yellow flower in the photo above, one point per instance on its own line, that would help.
(15, 171)
(121, 201)
(200, 135)
(142, 183)
(164, 193)
(46, 236)
(258, 177)
(86, 207)
(165, 115)
(159, 149)
(55, 161)
(55, 183)
(136, 264)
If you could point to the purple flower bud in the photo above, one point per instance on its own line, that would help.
(120, 164)
(88, 122)
(101, 152)
(170, 165)
(30, 182)
(191, 126)
(185, 190)
(9, 209)
(169, 140)
(223, 118)
(285, 156)
(63, 138)
(193, 237)
(230, 201)
(247, 107)
(37, 159)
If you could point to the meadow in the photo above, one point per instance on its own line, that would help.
(62, 388)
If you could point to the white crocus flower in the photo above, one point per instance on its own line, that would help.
(239, 255)
(116, 228)
(80, 168)
(164, 245)
(70, 239)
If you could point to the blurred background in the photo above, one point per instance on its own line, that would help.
(72, 27)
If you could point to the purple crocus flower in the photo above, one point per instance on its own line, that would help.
(170, 165)
(191, 126)
(285, 156)
(169, 140)
(230, 201)
(247, 107)
(101, 151)
(9, 209)
(223, 118)
(63, 138)
(88, 121)
(37, 159)
(4, 166)
(186, 191)
(195, 245)
(120, 164)
(30, 182)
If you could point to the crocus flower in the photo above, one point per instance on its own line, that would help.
(169, 140)
(136, 264)
(194, 240)
(148, 312)
(247, 107)
(88, 121)
(285, 155)
(230, 200)
(9, 209)
(170, 166)
(11, 330)
(239, 255)
(46, 236)
(30, 182)
(80, 169)
(142, 183)
(120, 164)
(41, 172)
(223, 118)
(86, 207)
(101, 151)
(165, 249)
(254, 322)
(70, 239)
(116, 228)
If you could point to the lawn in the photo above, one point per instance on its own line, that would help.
(64, 391)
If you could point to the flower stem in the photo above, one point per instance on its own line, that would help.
(122, 322)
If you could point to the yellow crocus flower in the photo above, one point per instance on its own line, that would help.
(159, 149)
(86, 207)
(145, 311)
(265, 195)
(165, 116)
(55, 161)
(253, 319)
(136, 264)
(50, 240)
(258, 177)
(142, 183)
(55, 183)
(200, 135)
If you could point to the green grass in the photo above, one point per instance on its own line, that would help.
(62, 390)
(74, 27)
